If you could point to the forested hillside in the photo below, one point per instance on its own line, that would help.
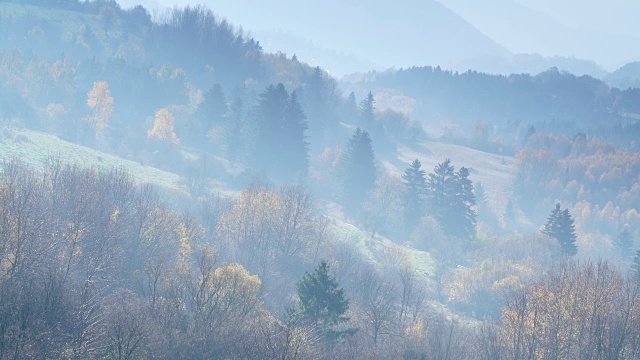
(552, 101)
(169, 190)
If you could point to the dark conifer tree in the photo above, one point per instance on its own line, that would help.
(367, 112)
(322, 302)
(296, 152)
(236, 132)
(465, 202)
(452, 200)
(351, 100)
(624, 244)
(560, 227)
(281, 146)
(357, 170)
(212, 108)
(568, 234)
(441, 187)
(316, 100)
(415, 192)
(269, 117)
(552, 227)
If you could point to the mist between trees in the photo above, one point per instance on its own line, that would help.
(412, 214)
(94, 266)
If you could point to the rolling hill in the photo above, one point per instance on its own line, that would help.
(430, 33)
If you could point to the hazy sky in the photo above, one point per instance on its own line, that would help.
(614, 16)
(606, 31)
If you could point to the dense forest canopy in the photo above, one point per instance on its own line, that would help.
(168, 189)
(552, 101)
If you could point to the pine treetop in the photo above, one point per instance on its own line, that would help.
(560, 226)
(322, 302)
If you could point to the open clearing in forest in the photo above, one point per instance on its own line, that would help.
(495, 172)
(380, 250)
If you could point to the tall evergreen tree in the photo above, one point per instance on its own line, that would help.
(296, 152)
(357, 170)
(452, 199)
(322, 302)
(624, 244)
(560, 227)
(236, 133)
(212, 108)
(441, 186)
(568, 234)
(367, 112)
(316, 99)
(281, 145)
(464, 204)
(415, 192)
(269, 119)
(351, 100)
(552, 227)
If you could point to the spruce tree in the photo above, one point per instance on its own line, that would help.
(552, 227)
(367, 112)
(560, 227)
(281, 145)
(316, 96)
(269, 118)
(357, 170)
(464, 201)
(568, 235)
(322, 302)
(213, 107)
(441, 187)
(235, 135)
(296, 150)
(624, 244)
(415, 192)
(351, 100)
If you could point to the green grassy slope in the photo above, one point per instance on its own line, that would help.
(33, 148)
(375, 249)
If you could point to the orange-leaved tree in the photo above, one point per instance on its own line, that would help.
(101, 102)
(163, 127)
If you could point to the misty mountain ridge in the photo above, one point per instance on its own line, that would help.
(493, 36)
(179, 185)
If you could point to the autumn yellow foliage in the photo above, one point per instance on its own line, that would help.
(100, 101)
(163, 127)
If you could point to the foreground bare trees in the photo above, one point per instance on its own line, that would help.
(576, 311)
(94, 266)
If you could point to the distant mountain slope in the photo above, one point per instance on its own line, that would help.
(552, 101)
(428, 33)
(525, 30)
(626, 77)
